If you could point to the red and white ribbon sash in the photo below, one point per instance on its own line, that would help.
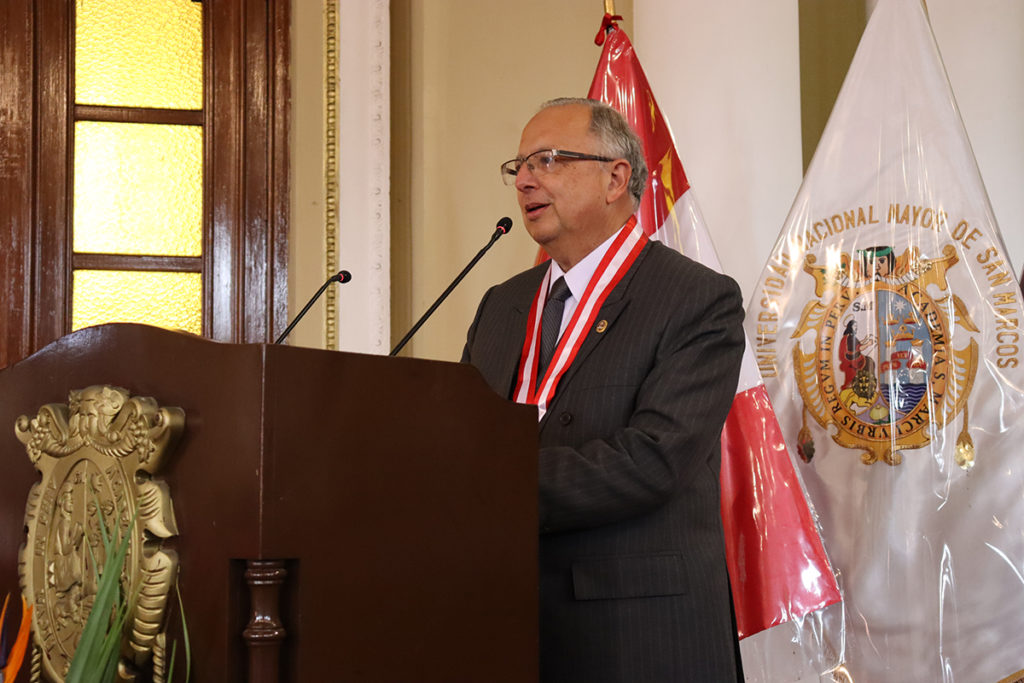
(616, 262)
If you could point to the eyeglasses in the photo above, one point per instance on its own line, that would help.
(543, 161)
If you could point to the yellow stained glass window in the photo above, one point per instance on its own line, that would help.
(139, 53)
(170, 300)
(138, 189)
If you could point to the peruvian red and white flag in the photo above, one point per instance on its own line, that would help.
(776, 561)
(897, 366)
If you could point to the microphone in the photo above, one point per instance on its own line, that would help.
(341, 277)
(503, 226)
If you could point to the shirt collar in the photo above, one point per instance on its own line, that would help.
(578, 277)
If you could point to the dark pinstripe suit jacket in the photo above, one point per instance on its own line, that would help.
(633, 583)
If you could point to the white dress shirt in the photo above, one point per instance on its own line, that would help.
(577, 278)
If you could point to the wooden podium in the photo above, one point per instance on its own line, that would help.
(341, 517)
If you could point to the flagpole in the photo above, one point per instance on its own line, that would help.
(609, 7)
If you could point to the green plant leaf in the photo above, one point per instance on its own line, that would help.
(101, 637)
(184, 633)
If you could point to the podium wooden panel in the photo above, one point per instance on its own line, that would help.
(361, 518)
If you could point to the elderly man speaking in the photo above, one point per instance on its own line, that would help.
(631, 352)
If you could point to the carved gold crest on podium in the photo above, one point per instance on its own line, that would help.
(97, 456)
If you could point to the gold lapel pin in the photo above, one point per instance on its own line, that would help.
(602, 326)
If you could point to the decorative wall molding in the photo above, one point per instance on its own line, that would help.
(331, 169)
(359, 127)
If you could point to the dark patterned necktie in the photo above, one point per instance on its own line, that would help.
(550, 324)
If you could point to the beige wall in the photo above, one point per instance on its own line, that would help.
(727, 78)
(982, 44)
(467, 74)
(305, 240)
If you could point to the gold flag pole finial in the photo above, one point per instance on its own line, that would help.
(609, 7)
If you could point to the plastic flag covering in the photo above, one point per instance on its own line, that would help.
(886, 324)
(776, 561)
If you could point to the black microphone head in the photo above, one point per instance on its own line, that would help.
(505, 224)
(343, 276)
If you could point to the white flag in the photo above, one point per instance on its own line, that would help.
(887, 325)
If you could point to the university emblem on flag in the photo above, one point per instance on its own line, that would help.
(880, 366)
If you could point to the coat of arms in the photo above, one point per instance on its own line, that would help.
(97, 456)
(882, 369)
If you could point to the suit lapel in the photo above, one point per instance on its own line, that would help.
(507, 361)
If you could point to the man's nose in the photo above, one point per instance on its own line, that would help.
(525, 179)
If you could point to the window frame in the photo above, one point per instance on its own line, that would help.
(245, 121)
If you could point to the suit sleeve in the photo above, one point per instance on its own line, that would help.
(471, 333)
(688, 362)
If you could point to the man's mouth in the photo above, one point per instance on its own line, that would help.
(534, 208)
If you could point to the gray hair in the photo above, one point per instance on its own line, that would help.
(618, 139)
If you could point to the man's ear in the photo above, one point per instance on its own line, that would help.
(618, 183)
